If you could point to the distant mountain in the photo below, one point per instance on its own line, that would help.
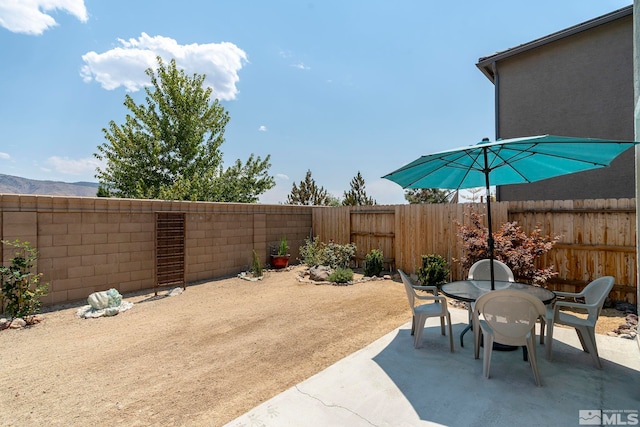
(16, 185)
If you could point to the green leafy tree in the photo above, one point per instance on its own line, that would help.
(169, 147)
(427, 195)
(357, 196)
(308, 193)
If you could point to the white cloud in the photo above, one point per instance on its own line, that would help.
(67, 166)
(125, 64)
(300, 66)
(262, 128)
(282, 176)
(4, 156)
(30, 17)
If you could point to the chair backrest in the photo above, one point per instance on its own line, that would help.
(596, 293)
(511, 314)
(408, 286)
(481, 270)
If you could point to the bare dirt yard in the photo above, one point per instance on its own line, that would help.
(201, 358)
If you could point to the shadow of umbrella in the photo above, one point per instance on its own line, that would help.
(449, 389)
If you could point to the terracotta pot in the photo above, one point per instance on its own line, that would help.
(279, 261)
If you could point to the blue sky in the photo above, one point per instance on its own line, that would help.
(334, 87)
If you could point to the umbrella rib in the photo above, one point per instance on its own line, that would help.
(456, 163)
(528, 152)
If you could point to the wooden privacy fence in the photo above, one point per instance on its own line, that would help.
(597, 236)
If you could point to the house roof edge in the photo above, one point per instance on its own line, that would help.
(485, 64)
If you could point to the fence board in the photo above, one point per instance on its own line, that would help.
(597, 236)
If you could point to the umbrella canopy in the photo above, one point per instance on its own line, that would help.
(507, 161)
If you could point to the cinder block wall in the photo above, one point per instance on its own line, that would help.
(89, 244)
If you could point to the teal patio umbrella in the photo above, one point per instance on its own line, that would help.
(507, 161)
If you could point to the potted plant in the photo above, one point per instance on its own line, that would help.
(280, 259)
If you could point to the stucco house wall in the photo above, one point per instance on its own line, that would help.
(577, 82)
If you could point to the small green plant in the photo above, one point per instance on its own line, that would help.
(331, 254)
(434, 270)
(21, 289)
(341, 275)
(373, 263)
(283, 249)
(256, 265)
(310, 253)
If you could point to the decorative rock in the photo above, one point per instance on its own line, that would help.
(319, 273)
(247, 275)
(105, 299)
(175, 291)
(18, 323)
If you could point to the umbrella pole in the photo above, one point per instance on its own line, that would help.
(490, 242)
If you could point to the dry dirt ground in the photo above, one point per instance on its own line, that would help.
(201, 358)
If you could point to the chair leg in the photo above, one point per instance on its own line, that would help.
(549, 343)
(442, 326)
(588, 338)
(477, 335)
(543, 325)
(450, 332)
(418, 332)
(488, 349)
(413, 325)
(584, 345)
(531, 350)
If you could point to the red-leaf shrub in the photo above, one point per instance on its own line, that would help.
(512, 246)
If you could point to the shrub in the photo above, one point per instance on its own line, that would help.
(341, 275)
(434, 270)
(311, 252)
(256, 265)
(21, 289)
(339, 256)
(333, 255)
(373, 262)
(512, 246)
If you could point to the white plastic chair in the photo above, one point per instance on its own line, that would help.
(594, 295)
(481, 270)
(438, 308)
(501, 272)
(508, 317)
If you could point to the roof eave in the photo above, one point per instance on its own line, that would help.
(485, 64)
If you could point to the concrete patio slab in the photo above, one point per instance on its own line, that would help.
(389, 383)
